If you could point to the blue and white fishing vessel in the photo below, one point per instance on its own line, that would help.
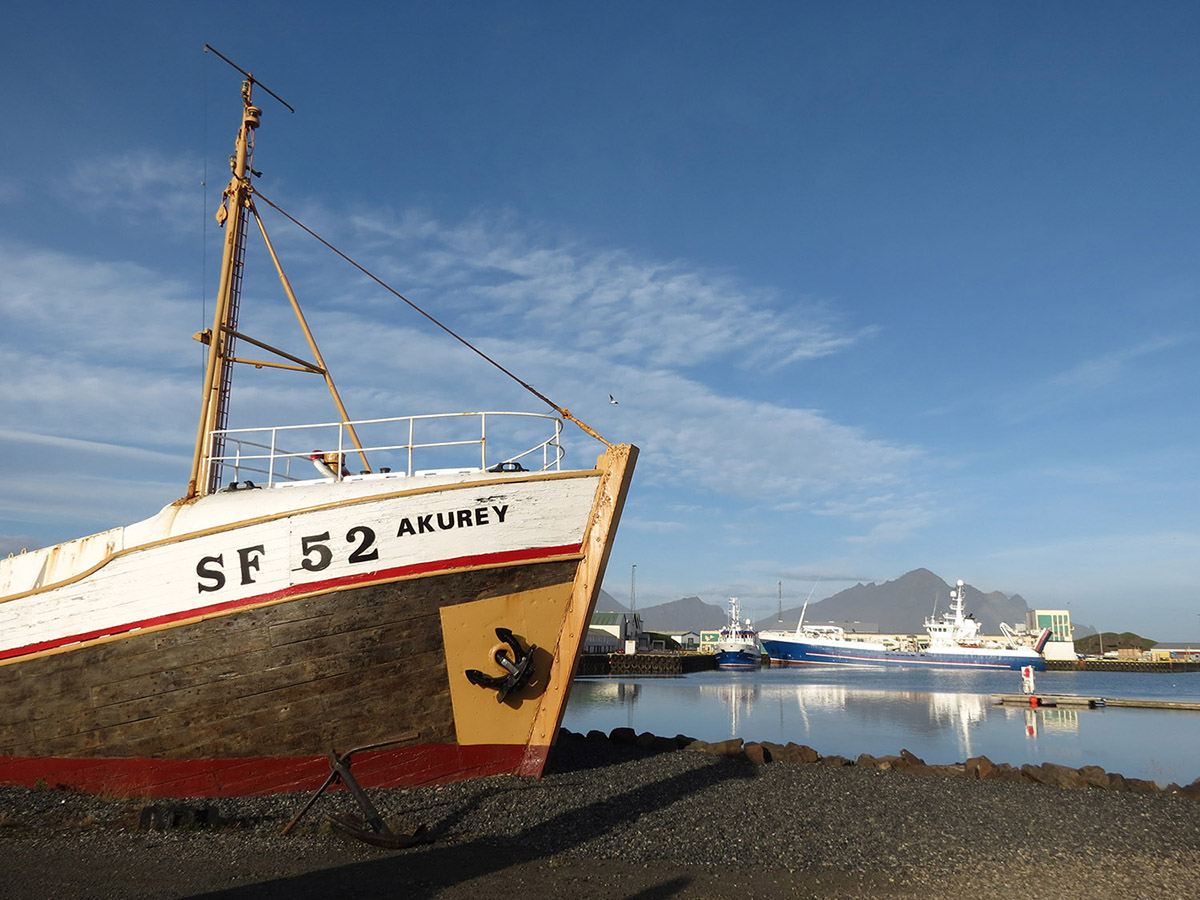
(953, 642)
(737, 642)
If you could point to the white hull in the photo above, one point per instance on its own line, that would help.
(235, 550)
(787, 648)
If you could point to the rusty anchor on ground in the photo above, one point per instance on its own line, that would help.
(519, 668)
(370, 827)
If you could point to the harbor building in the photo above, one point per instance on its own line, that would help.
(624, 628)
(1062, 633)
(687, 640)
(1185, 651)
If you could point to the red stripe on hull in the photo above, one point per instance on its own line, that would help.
(314, 587)
(405, 767)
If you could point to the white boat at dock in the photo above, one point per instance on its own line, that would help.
(953, 641)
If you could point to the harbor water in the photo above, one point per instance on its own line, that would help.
(943, 716)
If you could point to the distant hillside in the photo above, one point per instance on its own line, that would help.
(1095, 644)
(896, 607)
(606, 602)
(678, 616)
(901, 606)
(687, 614)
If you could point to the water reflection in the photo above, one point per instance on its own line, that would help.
(941, 719)
(1062, 720)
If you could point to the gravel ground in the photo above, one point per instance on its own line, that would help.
(609, 821)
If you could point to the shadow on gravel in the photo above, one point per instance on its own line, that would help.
(427, 870)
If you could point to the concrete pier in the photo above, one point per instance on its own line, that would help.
(1091, 702)
(645, 663)
(1122, 665)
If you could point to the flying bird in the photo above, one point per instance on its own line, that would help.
(612, 399)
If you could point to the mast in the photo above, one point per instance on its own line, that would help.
(804, 608)
(218, 373)
(234, 214)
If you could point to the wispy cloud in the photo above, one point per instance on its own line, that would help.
(603, 301)
(889, 517)
(1087, 378)
(1102, 371)
(41, 442)
(139, 187)
(103, 347)
(62, 501)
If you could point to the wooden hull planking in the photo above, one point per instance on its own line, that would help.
(249, 697)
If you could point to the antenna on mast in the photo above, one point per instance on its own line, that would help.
(249, 77)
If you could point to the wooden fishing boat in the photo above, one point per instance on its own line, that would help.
(414, 589)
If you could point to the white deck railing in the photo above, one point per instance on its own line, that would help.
(448, 442)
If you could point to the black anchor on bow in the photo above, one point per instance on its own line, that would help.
(519, 668)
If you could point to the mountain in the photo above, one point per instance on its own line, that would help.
(894, 607)
(901, 606)
(687, 614)
(675, 617)
(606, 602)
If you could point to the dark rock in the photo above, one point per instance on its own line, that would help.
(1005, 772)
(1141, 786)
(835, 761)
(979, 767)
(1033, 772)
(645, 740)
(1095, 777)
(731, 747)
(801, 753)
(756, 754)
(1192, 790)
(774, 752)
(662, 745)
(948, 769)
(623, 736)
(1055, 775)
(910, 764)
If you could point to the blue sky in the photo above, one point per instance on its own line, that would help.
(877, 285)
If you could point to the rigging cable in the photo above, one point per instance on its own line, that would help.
(562, 411)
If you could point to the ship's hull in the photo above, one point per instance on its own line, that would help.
(738, 659)
(787, 650)
(232, 659)
(738, 656)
